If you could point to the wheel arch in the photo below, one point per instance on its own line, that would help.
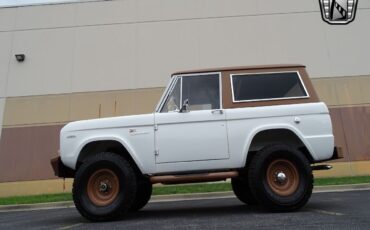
(108, 144)
(262, 136)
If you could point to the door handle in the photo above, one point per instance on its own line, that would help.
(217, 111)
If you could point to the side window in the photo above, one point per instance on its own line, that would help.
(267, 86)
(202, 91)
(173, 99)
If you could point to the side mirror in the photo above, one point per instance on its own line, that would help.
(185, 106)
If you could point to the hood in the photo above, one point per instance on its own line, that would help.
(111, 122)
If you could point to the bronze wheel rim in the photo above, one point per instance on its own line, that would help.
(103, 187)
(282, 177)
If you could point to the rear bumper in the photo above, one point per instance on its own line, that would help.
(337, 154)
(60, 170)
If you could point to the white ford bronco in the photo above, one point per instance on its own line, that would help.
(262, 126)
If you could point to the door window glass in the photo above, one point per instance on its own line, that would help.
(202, 91)
(173, 99)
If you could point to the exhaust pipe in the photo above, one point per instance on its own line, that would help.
(321, 167)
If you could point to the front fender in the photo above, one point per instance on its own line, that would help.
(70, 159)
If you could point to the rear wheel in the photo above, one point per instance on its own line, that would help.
(242, 190)
(104, 187)
(281, 178)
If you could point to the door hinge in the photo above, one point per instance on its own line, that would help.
(155, 127)
(156, 152)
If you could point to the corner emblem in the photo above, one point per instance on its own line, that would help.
(338, 12)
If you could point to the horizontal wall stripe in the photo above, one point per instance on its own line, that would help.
(344, 169)
(51, 109)
(29, 121)
(2, 105)
(343, 90)
(23, 111)
(25, 151)
(36, 187)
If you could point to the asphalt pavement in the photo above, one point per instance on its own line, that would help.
(332, 210)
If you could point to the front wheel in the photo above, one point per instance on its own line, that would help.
(281, 178)
(104, 187)
(242, 190)
(143, 194)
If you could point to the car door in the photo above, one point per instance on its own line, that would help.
(197, 133)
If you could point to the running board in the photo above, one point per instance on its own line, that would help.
(322, 167)
(192, 178)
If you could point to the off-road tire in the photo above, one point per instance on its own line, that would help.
(242, 190)
(143, 194)
(294, 192)
(112, 170)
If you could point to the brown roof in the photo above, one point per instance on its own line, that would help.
(256, 67)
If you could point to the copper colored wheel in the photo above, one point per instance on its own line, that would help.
(103, 187)
(282, 177)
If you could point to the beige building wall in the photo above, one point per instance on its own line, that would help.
(5, 48)
(112, 58)
(2, 105)
(115, 45)
(343, 91)
(53, 109)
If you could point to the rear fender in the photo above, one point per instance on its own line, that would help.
(259, 129)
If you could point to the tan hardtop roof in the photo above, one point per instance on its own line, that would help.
(256, 67)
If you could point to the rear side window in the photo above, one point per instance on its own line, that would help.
(267, 86)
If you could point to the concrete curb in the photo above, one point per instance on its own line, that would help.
(178, 197)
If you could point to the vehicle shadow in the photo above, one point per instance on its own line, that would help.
(184, 212)
(214, 209)
(209, 209)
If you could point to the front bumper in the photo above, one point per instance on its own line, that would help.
(60, 170)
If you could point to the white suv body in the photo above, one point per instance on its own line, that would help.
(200, 140)
(209, 125)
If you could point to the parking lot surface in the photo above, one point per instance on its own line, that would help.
(334, 210)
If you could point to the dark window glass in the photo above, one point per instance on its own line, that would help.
(267, 86)
(202, 91)
(173, 100)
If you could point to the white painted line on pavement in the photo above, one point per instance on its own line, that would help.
(327, 212)
(342, 190)
(70, 226)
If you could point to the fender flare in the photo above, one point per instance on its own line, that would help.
(124, 143)
(262, 128)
